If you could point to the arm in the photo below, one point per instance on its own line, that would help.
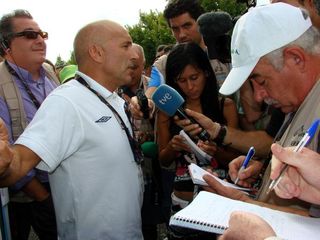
(239, 139)
(15, 162)
(230, 113)
(169, 147)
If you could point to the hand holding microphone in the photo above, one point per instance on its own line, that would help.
(170, 102)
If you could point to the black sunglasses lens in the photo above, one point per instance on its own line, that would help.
(31, 34)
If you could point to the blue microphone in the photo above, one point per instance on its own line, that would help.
(169, 101)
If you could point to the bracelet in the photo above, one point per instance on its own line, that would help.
(221, 135)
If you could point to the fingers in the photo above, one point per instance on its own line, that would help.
(6, 156)
(4, 135)
(178, 144)
(234, 167)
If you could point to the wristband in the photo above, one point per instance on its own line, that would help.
(221, 135)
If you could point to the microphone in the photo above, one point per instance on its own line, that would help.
(143, 102)
(214, 27)
(169, 101)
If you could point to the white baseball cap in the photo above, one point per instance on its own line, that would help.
(258, 32)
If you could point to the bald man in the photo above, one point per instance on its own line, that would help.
(82, 136)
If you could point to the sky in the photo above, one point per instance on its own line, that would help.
(63, 18)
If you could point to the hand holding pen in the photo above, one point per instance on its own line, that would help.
(245, 162)
(303, 142)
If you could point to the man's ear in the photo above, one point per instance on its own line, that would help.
(96, 53)
(295, 56)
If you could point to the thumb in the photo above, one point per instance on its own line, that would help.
(285, 155)
(247, 173)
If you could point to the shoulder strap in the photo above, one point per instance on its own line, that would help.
(10, 93)
(50, 73)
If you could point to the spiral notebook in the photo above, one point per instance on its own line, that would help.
(210, 212)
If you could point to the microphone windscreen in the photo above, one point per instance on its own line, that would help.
(167, 99)
(213, 24)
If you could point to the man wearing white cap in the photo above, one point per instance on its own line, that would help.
(276, 48)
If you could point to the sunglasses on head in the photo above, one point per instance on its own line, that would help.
(29, 34)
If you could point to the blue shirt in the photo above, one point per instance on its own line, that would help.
(40, 89)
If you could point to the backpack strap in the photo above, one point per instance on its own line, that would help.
(11, 95)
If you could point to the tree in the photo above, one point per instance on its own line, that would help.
(151, 31)
(59, 62)
(233, 7)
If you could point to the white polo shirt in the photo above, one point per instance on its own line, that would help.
(96, 184)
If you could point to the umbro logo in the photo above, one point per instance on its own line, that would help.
(103, 119)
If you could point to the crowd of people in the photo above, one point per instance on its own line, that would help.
(83, 160)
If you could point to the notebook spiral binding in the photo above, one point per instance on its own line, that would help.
(200, 223)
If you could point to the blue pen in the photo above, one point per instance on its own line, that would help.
(303, 142)
(246, 162)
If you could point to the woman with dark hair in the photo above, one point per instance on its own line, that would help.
(188, 70)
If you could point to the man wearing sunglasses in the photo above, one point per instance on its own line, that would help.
(24, 84)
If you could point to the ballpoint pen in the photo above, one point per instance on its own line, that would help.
(246, 162)
(303, 142)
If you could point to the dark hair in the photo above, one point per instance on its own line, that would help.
(192, 54)
(6, 27)
(160, 47)
(177, 7)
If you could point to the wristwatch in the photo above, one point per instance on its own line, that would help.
(221, 135)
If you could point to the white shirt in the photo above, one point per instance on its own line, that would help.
(96, 184)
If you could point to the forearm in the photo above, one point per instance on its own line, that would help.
(35, 190)
(242, 141)
(22, 160)
(167, 155)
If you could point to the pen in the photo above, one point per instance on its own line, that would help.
(245, 162)
(303, 142)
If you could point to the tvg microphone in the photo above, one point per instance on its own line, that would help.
(169, 101)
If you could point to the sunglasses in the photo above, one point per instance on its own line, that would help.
(29, 34)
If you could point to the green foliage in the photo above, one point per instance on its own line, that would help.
(72, 59)
(151, 31)
(230, 6)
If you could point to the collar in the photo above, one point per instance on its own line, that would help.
(105, 93)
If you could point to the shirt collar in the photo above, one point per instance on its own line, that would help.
(105, 93)
(25, 74)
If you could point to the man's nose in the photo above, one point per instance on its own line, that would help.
(259, 93)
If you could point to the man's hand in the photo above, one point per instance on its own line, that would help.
(208, 147)
(6, 157)
(194, 129)
(178, 143)
(249, 175)
(247, 226)
(218, 188)
(135, 110)
(302, 178)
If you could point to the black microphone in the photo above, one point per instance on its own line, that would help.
(143, 102)
(168, 100)
(214, 27)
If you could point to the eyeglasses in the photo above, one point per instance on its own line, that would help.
(29, 34)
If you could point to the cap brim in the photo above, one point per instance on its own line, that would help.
(236, 77)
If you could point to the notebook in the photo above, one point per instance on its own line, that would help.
(197, 173)
(200, 154)
(210, 212)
